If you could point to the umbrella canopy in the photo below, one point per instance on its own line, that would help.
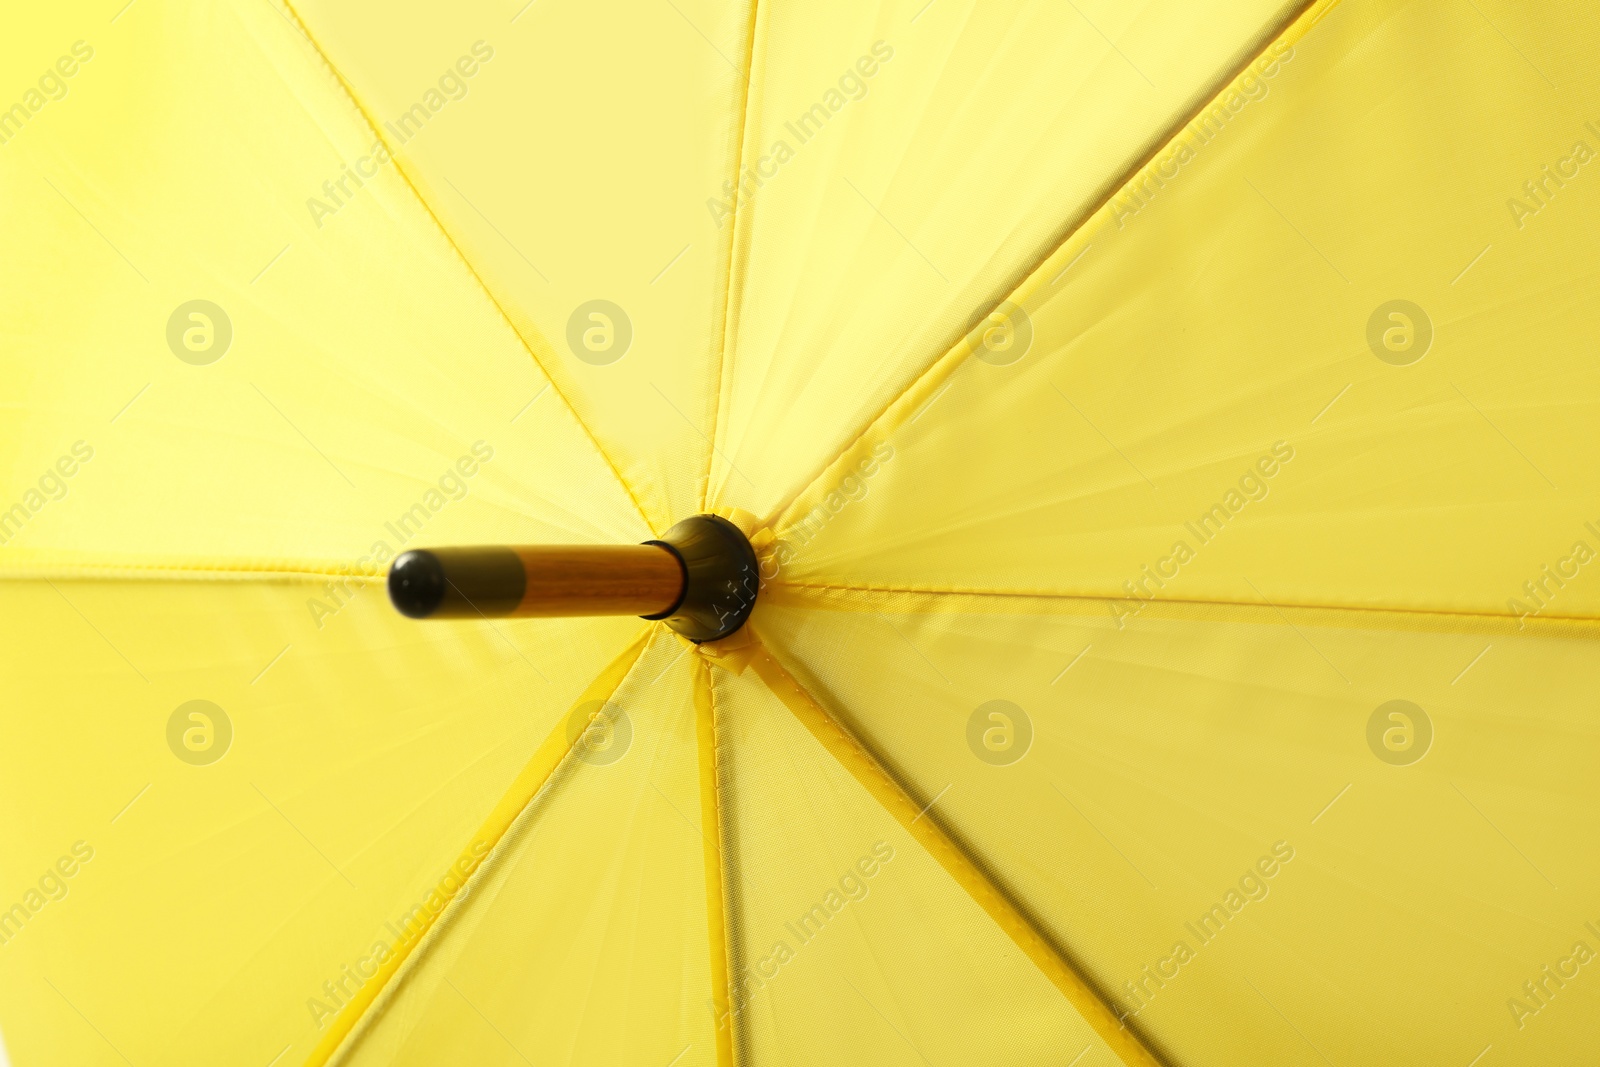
(1165, 432)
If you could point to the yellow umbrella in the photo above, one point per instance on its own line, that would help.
(1163, 434)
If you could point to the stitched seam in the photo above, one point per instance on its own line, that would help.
(1051, 594)
(729, 310)
(722, 874)
(177, 572)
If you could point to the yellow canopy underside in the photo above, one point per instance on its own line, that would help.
(1213, 510)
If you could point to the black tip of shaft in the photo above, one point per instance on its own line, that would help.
(416, 583)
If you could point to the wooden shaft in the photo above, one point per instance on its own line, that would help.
(562, 580)
(537, 581)
(701, 579)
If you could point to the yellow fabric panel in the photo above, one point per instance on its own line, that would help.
(1168, 758)
(583, 938)
(1217, 325)
(573, 165)
(364, 363)
(926, 828)
(929, 177)
(221, 897)
(430, 922)
(843, 921)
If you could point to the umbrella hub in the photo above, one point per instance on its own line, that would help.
(720, 577)
(700, 578)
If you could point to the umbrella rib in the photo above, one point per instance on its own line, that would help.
(535, 776)
(218, 571)
(1486, 617)
(1045, 269)
(737, 246)
(716, 872)
(926, 828)
(422, 201)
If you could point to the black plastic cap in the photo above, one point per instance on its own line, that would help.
(416, 584)
(457, 583)
(721, 577)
